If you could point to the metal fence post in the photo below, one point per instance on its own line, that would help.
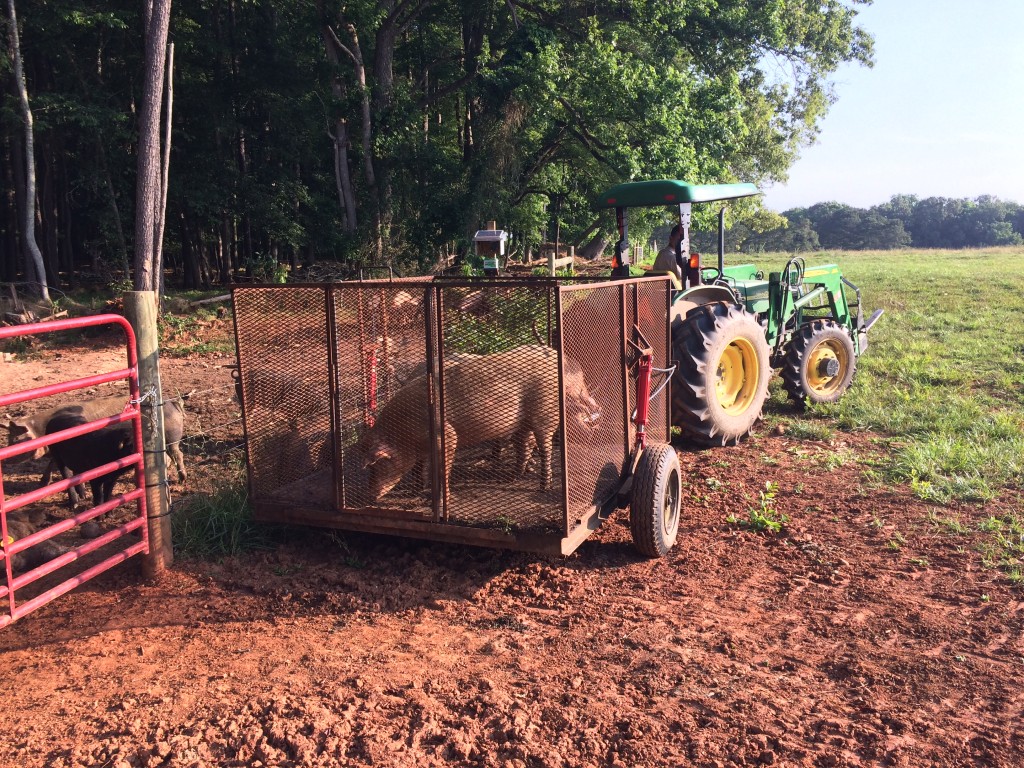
(140, 309)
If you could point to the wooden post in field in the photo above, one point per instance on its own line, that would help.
(555, 262)
(140, 308)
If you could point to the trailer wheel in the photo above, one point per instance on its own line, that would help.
(654, 507)
(722, 373)
(819, 363)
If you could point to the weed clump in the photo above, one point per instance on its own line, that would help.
(218, 525)
(764, 517)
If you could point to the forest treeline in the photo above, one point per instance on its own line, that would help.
(904, 221)
(387, 131)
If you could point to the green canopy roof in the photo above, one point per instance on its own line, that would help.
(670, 192)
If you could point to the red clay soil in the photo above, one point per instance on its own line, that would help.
(865, 633)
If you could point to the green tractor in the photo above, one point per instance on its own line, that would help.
(731, 327)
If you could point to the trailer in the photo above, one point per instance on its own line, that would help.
(495, 412)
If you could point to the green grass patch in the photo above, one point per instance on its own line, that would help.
(1003, 547)
(219, 525)
(944, 372)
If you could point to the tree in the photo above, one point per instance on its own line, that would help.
(391, 128)
(28, 232)
(149, 181)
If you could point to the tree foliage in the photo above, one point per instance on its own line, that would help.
(390, 129)
(934, 222)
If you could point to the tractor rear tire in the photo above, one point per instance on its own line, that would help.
(654, 507)
(722, 374)
(819, 363)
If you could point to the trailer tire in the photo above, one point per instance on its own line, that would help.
(722, 373)
(819, 363)
(654, 507)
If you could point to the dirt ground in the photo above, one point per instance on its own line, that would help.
(865, 633)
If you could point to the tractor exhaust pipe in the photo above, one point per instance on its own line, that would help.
(721, 242)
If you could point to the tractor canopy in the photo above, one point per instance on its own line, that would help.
(668, 192)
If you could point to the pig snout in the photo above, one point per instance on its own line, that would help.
(580, 404)
(386, 464)
(20, 430)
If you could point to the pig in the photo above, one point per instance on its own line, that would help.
(32, 557)
(88, 451)
(35, 425)
(512, 395)
(450, 359)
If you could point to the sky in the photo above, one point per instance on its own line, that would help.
(940, 114)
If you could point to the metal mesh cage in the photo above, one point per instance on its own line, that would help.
(283, 370)
(500, 409)
(380, 338)
(652, 317)
(597, 323)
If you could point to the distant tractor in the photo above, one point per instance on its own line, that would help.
(730, 326)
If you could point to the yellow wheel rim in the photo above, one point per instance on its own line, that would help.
(827, 364)
(737, 377)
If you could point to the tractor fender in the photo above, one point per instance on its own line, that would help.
(695, 297)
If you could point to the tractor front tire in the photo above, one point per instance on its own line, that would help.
(722, 374)
(654, 507)
(819, 363)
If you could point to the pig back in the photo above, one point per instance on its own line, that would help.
(93, 449)
(35, 424)
(496, 396)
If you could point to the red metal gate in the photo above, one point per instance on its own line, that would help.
(8, 545)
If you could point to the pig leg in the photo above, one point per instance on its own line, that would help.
(524, 450)
(75, 492)
(102, 489)
(53, 465)
(421, 470)
(98, 496)
(65, 473)
(174, 454)
(544, 446)
(451, 442)
(522, 445)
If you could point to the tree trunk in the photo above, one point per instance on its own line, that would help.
(115, 212)
(342, 174)
(340, 137)
(165, 165)
(8, 216)
(48, 216)
(594, 248)
(226, 248)
(147, 187)
(29, 214)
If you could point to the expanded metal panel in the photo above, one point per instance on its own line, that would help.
(500, 408)
(283, 369)
(454, 405)
(380, 336)
(652, 301)
(592, 339)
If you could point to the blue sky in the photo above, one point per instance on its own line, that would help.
(941, 113)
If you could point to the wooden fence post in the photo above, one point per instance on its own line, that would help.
(140, 308)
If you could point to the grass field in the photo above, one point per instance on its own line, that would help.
(943, 379)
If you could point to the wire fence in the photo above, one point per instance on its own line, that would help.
(212, 434)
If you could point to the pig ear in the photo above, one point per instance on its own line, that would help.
(16, 427)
